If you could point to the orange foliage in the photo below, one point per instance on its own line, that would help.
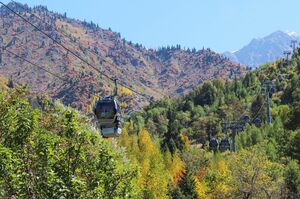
(176, 169)
(201, 173)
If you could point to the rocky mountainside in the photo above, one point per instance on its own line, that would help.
(263, 50)
(168, 71)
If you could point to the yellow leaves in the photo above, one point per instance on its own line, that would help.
(253, 172)
(222, 191)
(223, 179)
(124, 138)
(145, 169)
(153, 178)
(176, 169)
(146, 145)
(123, 105)
(125, 91)
(185, 141)
(222, 168)
(201, 189)
(215, 181)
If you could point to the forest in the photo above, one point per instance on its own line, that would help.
(48, 150)
(266, 161)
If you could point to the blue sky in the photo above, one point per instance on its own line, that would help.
(218, 24)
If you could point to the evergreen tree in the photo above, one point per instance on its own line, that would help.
(292, 178)
(186, 188)
(172, 139)
(294, 145)
(207, 94)
(257, 107)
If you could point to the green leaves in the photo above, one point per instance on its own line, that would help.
(207, 95)
(292, 177)
(55, 154)
(254, 175)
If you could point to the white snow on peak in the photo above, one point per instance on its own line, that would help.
(293, 33)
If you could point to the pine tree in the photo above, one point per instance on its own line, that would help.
(186, 188)
(292, 178)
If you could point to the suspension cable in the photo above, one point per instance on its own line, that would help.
(70, 51)
(40, 67)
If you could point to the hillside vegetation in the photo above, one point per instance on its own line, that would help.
(51, 151)
(48, 150)
(266, 164)
(170, 70)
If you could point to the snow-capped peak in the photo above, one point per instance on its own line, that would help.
(293, 34)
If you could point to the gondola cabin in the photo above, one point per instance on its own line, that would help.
(246, 119)
(108, 115)
(213, 144)
(224, 145)
(257, 122)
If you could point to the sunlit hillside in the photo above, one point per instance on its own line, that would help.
(154, 73)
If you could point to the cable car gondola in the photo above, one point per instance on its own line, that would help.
(213, 144)
(224, 145)
(246, 119)
(108, 115)
(257, 122)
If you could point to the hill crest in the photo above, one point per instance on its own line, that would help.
(168, 71)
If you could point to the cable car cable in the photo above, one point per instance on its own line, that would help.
(44, 69)
(68, 50)
(55, 41)
(79, 44)
(56, 29)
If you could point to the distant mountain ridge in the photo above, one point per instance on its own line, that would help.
(168, 71)
(264, 50)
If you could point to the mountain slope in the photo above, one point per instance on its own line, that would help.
(264, 50)
(226, 112)
(170, 70)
